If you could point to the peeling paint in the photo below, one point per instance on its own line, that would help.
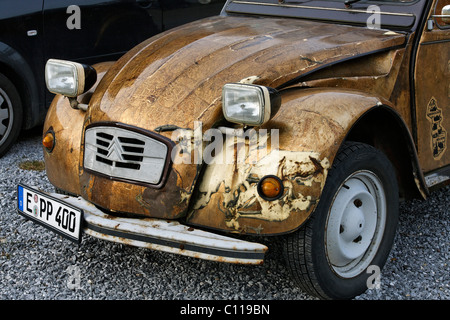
(233, 186)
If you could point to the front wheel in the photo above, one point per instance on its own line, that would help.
(352, 229)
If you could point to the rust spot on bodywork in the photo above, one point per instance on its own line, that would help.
(228, 192)
(158, 201)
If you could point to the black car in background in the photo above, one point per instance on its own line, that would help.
(86, 31)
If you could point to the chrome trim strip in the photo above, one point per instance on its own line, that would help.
(284, 5)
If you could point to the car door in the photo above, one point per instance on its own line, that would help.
(21, 29)
(89, 31)
(21, 65)
(432, 91)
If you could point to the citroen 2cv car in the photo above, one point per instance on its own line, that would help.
(307, 120)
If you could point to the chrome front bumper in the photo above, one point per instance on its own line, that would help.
(164, 235)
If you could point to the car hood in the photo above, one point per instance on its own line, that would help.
(176, 78)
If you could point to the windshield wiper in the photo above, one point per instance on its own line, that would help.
(348, 3)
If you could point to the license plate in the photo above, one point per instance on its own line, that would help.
(50, 212)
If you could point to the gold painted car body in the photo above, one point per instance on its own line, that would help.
(337, 82)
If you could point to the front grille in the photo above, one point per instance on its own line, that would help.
(124, 154)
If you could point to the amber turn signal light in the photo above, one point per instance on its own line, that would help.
(270, 188)
(49, 141)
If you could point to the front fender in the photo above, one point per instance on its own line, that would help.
(63, 163)
(311, 125)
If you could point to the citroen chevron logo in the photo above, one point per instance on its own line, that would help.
(115, 150)
(120, 153)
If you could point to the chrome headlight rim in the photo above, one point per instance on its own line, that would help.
(82, 76)
(269, 99)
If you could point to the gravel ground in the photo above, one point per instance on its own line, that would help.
(36, 264)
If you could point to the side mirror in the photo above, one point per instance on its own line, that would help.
(445, 14)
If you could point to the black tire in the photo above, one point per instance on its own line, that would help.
(11, 114)
(323, 257)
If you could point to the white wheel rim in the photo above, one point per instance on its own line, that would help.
(355, 224)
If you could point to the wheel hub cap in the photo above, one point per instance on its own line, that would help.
(355, 220)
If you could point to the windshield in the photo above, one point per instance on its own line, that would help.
(383, 14)
(397, 1)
